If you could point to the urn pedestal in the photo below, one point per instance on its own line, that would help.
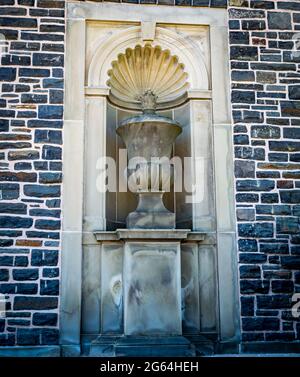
(151, 294)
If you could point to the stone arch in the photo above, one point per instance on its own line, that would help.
(107, 50)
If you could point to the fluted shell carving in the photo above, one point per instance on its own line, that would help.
(145, 69)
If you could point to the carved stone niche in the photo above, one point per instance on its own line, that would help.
(117, 307)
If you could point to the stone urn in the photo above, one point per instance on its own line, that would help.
(149, 139)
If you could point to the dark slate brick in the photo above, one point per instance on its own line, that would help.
(46, 235)
(50, 3)
(41, 212)
(239, 37)
(290, 108)
(281, 157)
(247, 306)
(22, 166)
(249, 153)
(218, 3)
(254, 286)
(44, 257)
(282, 286)
(6, 261)
(242, 76)
(50, 177)
(34, 98)
(51, 153)
(245, 13)
(255, 185)
(291, 262)
(15, 60)
(55, 165)
(48, 136)
(33, 72)
(37, 123)
(49, 287)
(16, 208)
(260, 324)
(18, 22)
(247, 245)
(271, 248)
(291, 196)
(56, 96)
(18, 177)
(50, 112)
(260, 4)
(273, 67)
(7, 289)
(247, 198)
(23, 155)
(27, 288)
(26, 274)
(284, 146)
(4, 124)
(7, 74)
(9, 191)
(245, 214)
(265, 132)
(53, 203)
(291, 133)
(287, 225)
(21, 261)
(48, 60)
(26, 2)
(50, 336)
(244, 169)
(255, 230)
(42, 191)
(278, 301)
(4, 274)
(248, 337)
(50, 272)
(7, 339)
(47, 224)
(279, 21)
(269, 198)
(15, 222)
(289, 5)
(35, 303)
(242, 96)
(243, 53)
(241, 139)
(253, 25)
(26, 337)
(44, 319)
(250, 271)
(6, 243)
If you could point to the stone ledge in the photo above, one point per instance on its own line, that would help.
(28, 351)
(153, 234)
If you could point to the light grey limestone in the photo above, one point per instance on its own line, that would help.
(152, 302)
(112, 288)
(190, 288)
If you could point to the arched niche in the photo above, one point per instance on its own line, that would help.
(106, 50)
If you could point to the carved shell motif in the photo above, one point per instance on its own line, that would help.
(147, 68)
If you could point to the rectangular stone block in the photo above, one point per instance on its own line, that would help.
(152, 300)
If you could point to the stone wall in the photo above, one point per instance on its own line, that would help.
(265, 73)
(31, 112)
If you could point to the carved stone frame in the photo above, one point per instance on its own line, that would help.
(82, 103)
